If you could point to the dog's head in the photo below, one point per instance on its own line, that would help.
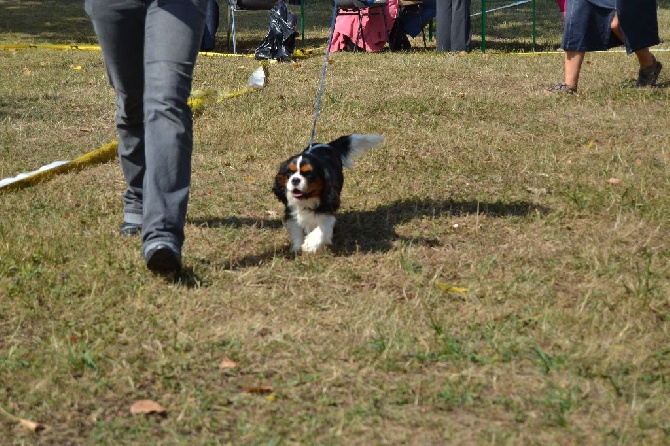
(307, 180)
(313, 179)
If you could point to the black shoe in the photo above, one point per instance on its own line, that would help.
(130, 229)
(162, 258)
(647, 77)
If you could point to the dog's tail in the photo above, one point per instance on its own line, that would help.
(350, 146)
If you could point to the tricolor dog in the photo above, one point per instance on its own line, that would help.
(309, 184)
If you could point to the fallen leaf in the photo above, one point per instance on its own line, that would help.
(262, 390)
(537, 190)
(638, 161)
(450, 289)
(32, 425)
(227, 364)
(614, 180)
(146, 406)
(26, 71)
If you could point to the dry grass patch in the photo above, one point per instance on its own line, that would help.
(551, 213)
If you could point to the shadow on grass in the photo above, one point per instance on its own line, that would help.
(53, 21)
(374, 231)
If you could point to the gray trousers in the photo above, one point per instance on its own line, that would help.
(453, 27)
(150, 48)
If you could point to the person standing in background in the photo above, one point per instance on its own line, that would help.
(597, 25)
(149, 48)
(453, 26)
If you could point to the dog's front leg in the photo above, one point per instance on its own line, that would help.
(296, 234)
(321, 235)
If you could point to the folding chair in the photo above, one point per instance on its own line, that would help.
(362, 9)
(413, 8)
(244, 5)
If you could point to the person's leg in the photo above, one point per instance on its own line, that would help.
(650, 68)
(461, 28)
(443, 21)
(120, 29)
(574, 42)
(573, 66)
(645, 58)
(174, 31)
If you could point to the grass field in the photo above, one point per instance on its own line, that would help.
(500, 272)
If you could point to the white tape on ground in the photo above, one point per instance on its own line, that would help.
(21, 176)
(501, 7)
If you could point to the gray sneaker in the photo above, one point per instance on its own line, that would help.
(647, 77)
(561, 88)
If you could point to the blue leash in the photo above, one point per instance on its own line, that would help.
(323, 74)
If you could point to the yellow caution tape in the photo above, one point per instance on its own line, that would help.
(51, 47)
(197, 102)
(99, 155)
(200, 98)
(300, 53)
(449, 288)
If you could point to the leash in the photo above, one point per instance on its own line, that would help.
(323, 74)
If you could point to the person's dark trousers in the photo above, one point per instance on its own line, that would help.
(453, 25)
(639, 23)
(211, 25)
(150, 48)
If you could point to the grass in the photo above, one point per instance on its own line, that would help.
(483, 183)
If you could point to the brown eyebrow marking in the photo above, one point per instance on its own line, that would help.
(292, 167)
(305, 168)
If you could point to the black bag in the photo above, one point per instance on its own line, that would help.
(279, 44)
(211, 25)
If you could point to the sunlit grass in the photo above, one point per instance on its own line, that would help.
(499, 272)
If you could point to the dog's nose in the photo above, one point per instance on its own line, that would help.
(295, 181)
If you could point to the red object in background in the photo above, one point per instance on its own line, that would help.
(561, 5)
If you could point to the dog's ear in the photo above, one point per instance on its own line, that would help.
(330, 197)
(279, 187)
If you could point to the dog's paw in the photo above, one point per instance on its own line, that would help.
(311, 247)
(313, 243)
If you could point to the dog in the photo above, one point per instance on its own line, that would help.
(309, 184)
